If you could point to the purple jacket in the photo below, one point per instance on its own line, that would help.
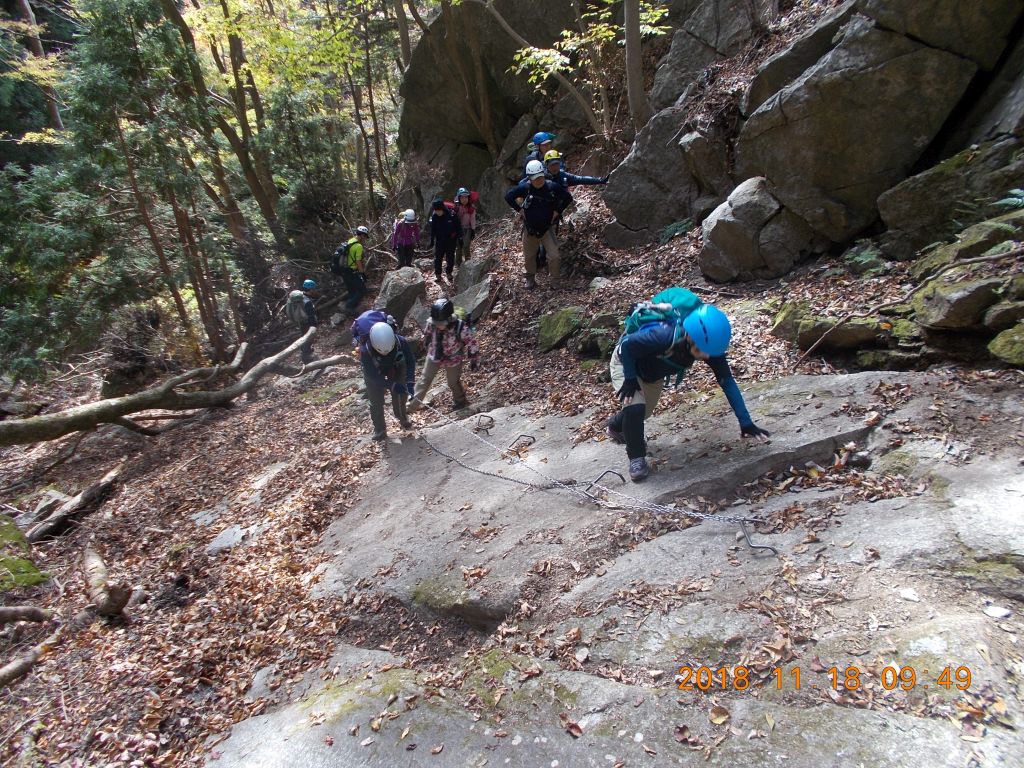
(406, 233)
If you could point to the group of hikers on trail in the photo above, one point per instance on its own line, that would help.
(662, 337)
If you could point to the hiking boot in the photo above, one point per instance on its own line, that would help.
(615, 435)
(458, 406)
(531, 282)
(450, 277)
(380, 437)
(406, 424)
(638, 469)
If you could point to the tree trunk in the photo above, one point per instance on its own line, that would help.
(240, 149)
(106, 598)
(382, 168)
(165, 267)
(639, 105)
(164, 396)
(12, 613)
(36, 46)
(403, 33)
(74, 507)
(357, 101)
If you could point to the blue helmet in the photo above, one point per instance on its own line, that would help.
(709, 329)
(542, 138)
(308, 285)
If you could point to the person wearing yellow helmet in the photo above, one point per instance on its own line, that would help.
(555, 172)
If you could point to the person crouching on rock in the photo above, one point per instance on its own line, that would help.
(450, 340)
(645, 358)
(539, 203)
(388, 364)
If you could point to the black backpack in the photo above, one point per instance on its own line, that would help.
(339, 261)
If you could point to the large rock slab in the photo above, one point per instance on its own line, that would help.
(399, 292)
(978, 30)
(750, 236)
(939, 202)
(852, 126)
(787, 65)
(716, 30)
(952, 304)
(474, 271)
(475, 299)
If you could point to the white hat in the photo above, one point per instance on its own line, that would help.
(382, 338)
(534, 168)
(410, 214)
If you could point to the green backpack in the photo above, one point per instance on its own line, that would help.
(671, 305)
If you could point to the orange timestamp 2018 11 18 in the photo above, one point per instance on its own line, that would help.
(739, 678)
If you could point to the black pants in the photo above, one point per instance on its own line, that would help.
(444, 250)
(355, 283)
(405, 255)
(630, 422)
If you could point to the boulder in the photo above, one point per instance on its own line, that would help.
(593, 343)
(715, 30)
(787, 65)
(865, 260)
(652, 187)
(950, 304)
(557, 327)
(418, 316)
(475, 299)
(1008, 346)
(796, 323)
(941, 201)
(852, 126)
(976, 30)
(599, 284)
(1003, 315)
(437, 124)
(751, 236)
(399, 292)
(473, 271)
(976, 240)
(517, 139)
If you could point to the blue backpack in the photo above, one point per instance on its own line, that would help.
(361, 325)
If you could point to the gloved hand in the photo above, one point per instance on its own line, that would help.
(628, 389)
(752, 430)
(474, 364)
(603, 180)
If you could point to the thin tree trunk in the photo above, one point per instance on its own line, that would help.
(239, 147)
(403, 33)
(639, 105)
(382, 168)
(147, 221)
(36, 46)
(357, 101)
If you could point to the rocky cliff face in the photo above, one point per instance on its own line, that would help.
(832, 128)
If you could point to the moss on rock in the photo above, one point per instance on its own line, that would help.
(1008, 346)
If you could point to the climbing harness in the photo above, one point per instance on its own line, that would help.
(512, 453)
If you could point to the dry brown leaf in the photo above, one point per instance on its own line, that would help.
(437, 750)
(648, 750)
(719, 715)
(405, 732)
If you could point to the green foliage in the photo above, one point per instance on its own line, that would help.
(16, 570)
(1014, 200)
(675, 229)
(591, 54)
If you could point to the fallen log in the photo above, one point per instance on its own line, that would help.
(74, 507)
(106, 599)
(12, 613)
(23, 664)
(165, 396)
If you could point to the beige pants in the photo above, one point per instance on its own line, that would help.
(430, 370)
(649, 393)
(532, 244)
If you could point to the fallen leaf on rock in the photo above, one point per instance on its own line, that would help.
(771, 722)
(375, 725)
(354, 730)
(910, 594)
(405, 733)
(682, 734)
(328, 741)
(719, 715)
(437, 750)
(500, 734)
(571, 726)
(366, 742)
(648, 750)
(529, 672)
(816, 665)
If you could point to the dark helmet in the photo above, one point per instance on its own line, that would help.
(442, 309)
(438, 204)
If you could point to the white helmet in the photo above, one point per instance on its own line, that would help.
(410, 214)
(362, 231)
(534, 168)
(382, 338)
